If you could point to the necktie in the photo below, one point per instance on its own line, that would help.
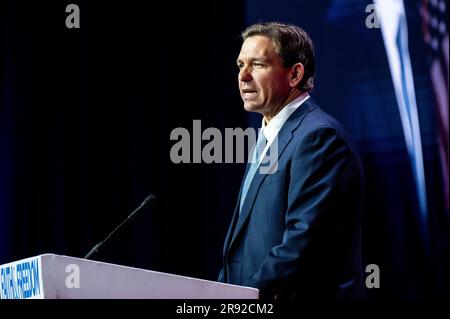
(256, 156)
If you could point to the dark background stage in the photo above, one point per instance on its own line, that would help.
(86, 116)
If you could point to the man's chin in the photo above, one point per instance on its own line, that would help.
(250, 107)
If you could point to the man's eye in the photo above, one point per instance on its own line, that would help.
(258, 65)
(240, 65)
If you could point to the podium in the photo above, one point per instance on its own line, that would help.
(51, 276)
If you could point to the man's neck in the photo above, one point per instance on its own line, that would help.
(292, 96)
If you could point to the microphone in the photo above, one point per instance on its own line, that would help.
(147, 202)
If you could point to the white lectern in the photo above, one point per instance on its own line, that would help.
(50, 276)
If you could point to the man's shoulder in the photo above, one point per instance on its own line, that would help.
(316, 124)
(315, 118)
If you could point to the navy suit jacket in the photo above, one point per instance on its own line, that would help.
(298, 235)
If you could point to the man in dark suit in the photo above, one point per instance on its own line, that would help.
(295, 232)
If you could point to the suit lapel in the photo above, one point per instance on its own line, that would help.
(234, 218)
(284, 137)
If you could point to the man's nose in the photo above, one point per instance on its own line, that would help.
(245, 74)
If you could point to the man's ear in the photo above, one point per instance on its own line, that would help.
(296, 74)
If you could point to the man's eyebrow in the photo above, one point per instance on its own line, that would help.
(260, 59)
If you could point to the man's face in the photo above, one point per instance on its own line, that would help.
(263, 81)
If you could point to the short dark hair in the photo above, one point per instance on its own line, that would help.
(293, 45)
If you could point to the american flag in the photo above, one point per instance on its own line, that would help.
(435, 31)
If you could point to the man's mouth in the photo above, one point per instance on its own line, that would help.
(248, 93)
